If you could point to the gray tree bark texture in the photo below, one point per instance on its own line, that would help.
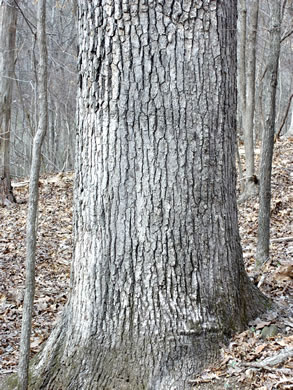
(241, 80)
(290, 131)
(250, 99)
(157, 280)
(267, 148)
(246, 90)
(8, 19)
(241, 63)
(31, 229)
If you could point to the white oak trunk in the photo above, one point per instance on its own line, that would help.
(157, 276)
(8, 18)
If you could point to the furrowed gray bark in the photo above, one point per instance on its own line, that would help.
(8, 19)
(31, 229)
(263, 242)
(157, 278)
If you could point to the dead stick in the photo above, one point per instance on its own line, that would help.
(272, 361)
(282, 239)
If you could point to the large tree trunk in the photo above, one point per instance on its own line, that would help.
(157, 276)
(8, 16)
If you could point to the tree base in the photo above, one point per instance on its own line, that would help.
(6, 194)
(158, 363)
(251, 190)
(154, 364)
(125, 369)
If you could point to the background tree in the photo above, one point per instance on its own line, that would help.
(285, 79)
(268, 135)
(31, 230)
(252, 59)
(290, 131)
(58, 147)
(247, 32)
(157, 277)
(8, 18)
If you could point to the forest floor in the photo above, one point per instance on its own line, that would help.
(261, 357)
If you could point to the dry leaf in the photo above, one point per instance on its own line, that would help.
(260, 348)
(262, 324)
(284, 273)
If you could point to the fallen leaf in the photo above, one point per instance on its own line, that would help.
(284, 273)
(262, 324)
(260, 348)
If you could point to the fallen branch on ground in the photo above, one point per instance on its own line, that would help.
(282, 239)
(272, 361)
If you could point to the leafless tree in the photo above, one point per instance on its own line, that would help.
(33, 198)
(271, 81)
(58, 148)
(8, 18)
(247, 32)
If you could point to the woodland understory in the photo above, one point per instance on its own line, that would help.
(261, 357)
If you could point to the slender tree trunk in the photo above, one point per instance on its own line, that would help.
(290, 130)
(263, 243)
(251, 187)
(157, 277)
(284, 119)
(241, 64)
(8, 18)
(31, 229)
(250, 92)
(241, 80)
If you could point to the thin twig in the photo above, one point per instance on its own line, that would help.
(25, 18)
